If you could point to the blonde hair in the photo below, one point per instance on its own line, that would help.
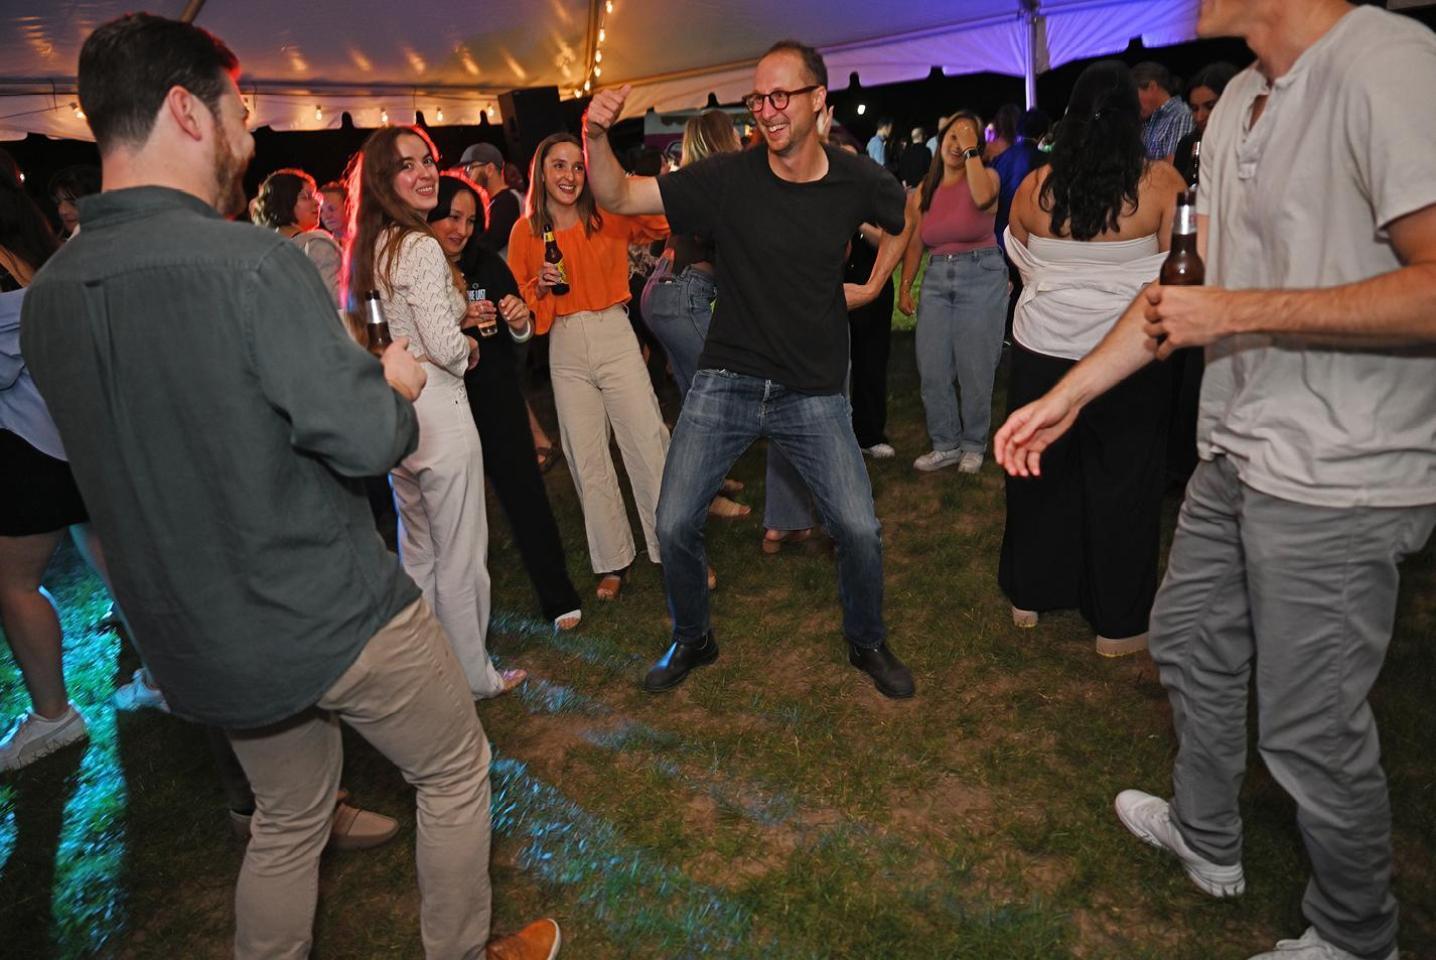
(710, 132)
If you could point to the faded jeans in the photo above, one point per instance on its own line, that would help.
(960, 314)
(724, 413)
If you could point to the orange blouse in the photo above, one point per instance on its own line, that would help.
(597, 265)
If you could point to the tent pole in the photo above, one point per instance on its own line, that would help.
(191, 10)
(1029, 68)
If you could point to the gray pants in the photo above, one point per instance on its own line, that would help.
(406, 695)
(1306, 596)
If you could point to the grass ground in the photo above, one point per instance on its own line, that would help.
(774, 806)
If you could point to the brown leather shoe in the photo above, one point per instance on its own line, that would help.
(537, 941)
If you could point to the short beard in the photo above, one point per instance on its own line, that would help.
(229, 169)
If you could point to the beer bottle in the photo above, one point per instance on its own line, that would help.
(1196, 170)
(1183, 266)
(375, 326)
(552, 254)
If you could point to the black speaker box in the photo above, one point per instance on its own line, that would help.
(529, 116)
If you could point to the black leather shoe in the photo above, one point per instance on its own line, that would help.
(889, 675)
(674, 665)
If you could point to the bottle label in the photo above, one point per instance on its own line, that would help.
(1186, 225)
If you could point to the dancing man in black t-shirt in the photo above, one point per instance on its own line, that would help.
(777, 352)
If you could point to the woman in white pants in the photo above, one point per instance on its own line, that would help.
(439, 488)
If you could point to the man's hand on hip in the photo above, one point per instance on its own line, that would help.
(402, 371)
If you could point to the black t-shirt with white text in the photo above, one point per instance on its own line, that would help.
(780, 313)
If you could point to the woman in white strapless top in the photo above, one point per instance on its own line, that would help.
(1086, 233)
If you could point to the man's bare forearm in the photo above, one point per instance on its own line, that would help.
(1393, 309)
(605, 174)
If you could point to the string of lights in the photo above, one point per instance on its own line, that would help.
(595, 63)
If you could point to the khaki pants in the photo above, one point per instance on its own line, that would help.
(599, 380)
(406, 695)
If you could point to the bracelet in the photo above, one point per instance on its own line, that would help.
(528, 333)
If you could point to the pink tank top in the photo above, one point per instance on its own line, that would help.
(953, 224)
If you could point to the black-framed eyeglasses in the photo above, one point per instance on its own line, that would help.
(778, 98)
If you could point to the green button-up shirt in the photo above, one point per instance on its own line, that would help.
(217, 418)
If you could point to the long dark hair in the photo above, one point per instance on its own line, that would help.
(24, 232)
(536, 208)
(450, 186)
(374, 207)
(933, 180)
(1098, 159)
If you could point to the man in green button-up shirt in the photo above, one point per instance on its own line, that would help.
(218, 419)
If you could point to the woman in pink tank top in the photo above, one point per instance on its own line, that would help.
(963, 304)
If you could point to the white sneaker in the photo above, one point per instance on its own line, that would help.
(880, 451)
(1149, 819)
(936, 460)
(139, 695)
(969, 462)
(32, 737)
(1310, 946)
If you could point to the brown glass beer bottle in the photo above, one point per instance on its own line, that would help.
(1183, 266)
(375, 326)
(552, 254)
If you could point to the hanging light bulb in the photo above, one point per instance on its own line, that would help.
(862, 109)
(318, 113)
(79, 114)
(598, 56)
(598, 71)
(384, 116)
(608, 7)
(602, 35)
(587, 86)
(439, 114)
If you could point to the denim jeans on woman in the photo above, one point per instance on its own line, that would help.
(678, 309)
(722, 416)
(960, 316)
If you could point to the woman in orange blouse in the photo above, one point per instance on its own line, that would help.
(599, 380)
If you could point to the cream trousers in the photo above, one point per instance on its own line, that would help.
(602, 389)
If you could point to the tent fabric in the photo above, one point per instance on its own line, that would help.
(306, 63)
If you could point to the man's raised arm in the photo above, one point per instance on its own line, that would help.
(614, 189)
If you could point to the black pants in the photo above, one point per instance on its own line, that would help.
(1085, 534)
(512, 466)
(1187, 366)
(871, 330)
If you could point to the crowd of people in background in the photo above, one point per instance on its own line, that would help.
(273, 610)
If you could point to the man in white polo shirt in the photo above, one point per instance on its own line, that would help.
(1317, 216)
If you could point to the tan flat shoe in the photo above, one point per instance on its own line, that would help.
(774, 544)
(725, 509)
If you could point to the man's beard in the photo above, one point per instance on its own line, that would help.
(229, 169)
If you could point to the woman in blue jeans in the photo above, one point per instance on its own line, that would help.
(963, 306)
(677, 302)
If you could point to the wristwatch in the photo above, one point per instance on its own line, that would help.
(971, 152)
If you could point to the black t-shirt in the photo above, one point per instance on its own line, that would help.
(503, 213)
(780, 254)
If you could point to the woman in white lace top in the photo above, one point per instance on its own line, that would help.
(439, 488)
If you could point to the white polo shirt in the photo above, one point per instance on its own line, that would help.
(1345, 145)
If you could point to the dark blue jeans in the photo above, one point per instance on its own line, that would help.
(722, 416)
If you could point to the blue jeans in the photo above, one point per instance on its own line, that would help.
(678, 310)
(960, 315)
(724, 413)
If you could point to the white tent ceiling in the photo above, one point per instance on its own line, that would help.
(306, 62)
